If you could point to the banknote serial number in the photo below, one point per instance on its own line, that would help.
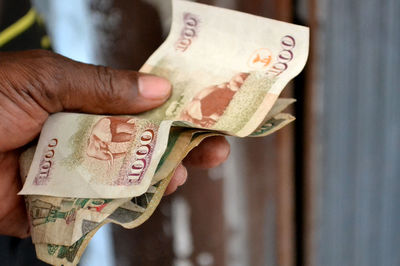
(188, 33)
(46, 162)
(284, 57)
(141, 157)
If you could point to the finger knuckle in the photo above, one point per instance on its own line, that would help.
(105, 84)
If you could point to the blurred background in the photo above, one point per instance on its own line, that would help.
(323, 191)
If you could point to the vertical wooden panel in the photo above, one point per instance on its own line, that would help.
(204, 197)
(307, 146)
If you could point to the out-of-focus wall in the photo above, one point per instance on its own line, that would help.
(353, 175)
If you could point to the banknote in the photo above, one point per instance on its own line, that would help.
(179, 144)
(279, 106)
(62, 221)
(128, 215)
(227, 68)
(136, 211)
(272, 125)
(61, 255)
(95, 156)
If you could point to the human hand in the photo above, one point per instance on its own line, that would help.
(35, 84)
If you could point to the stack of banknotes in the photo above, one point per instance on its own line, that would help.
(227, 70)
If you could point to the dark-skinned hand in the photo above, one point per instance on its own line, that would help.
(35, 84)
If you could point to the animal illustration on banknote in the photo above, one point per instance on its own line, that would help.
(111, 138)
(210, 104)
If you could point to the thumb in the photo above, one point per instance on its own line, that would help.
(63, 84)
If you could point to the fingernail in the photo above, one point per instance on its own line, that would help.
(154, 88)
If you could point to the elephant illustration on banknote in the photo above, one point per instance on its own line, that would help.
(110, 138)
(209, 104)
